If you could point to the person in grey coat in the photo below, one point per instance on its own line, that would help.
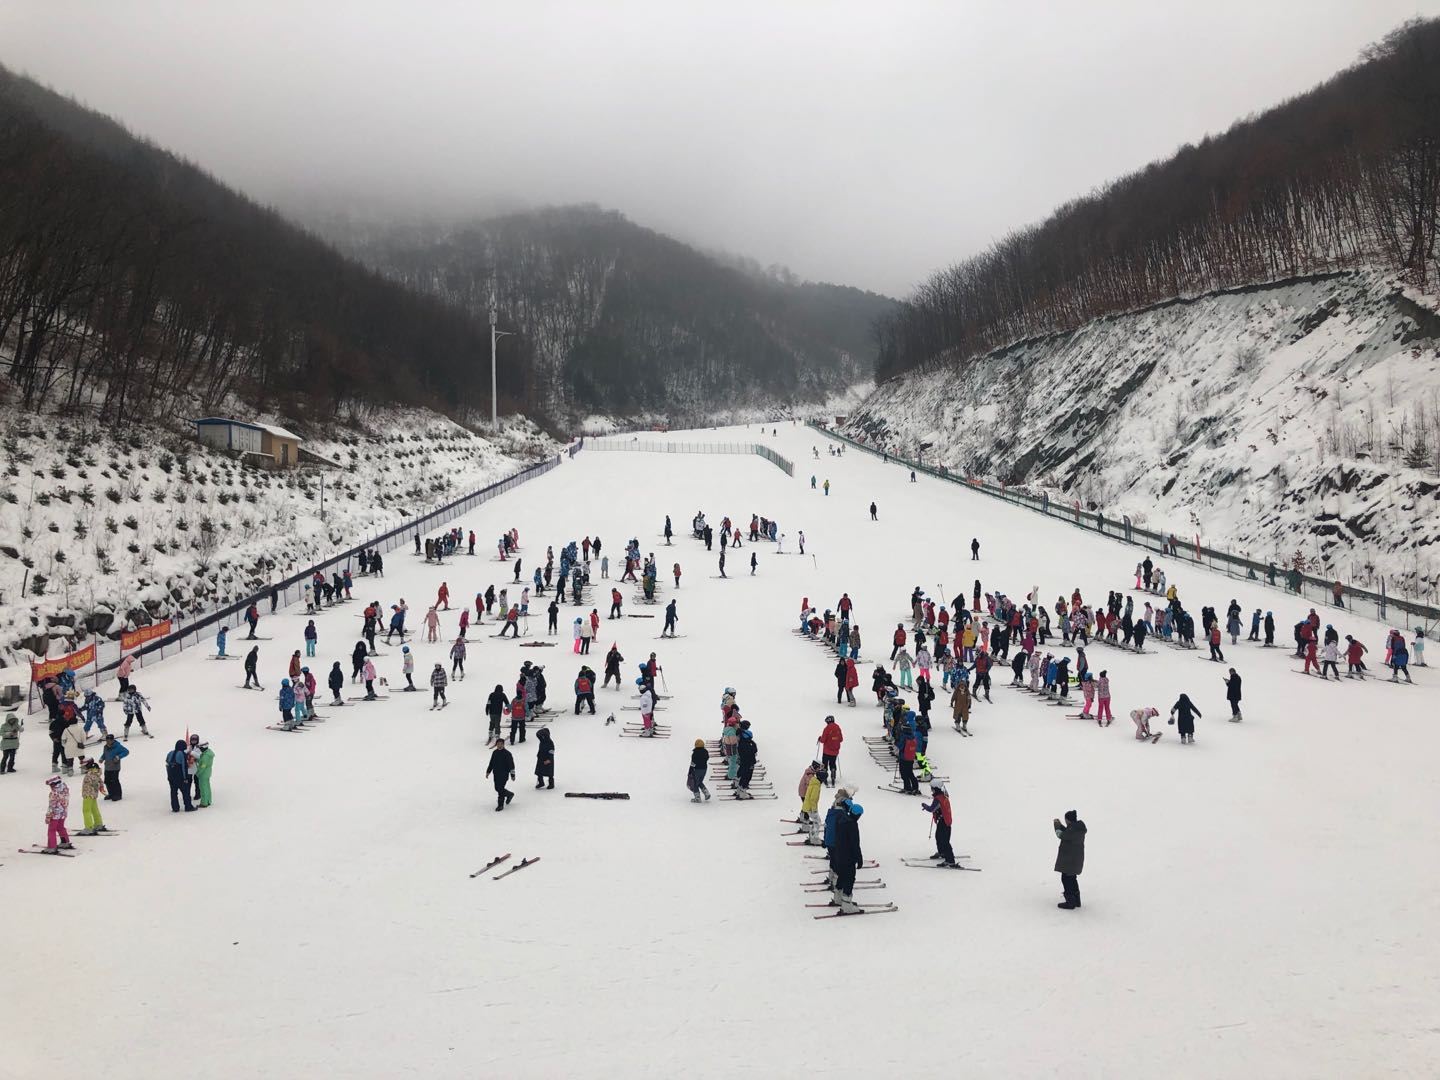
(1070, 859)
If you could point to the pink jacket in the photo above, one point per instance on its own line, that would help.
(1104, 684)
(126, 666)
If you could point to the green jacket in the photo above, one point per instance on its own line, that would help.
(10, 733)
(206, 762)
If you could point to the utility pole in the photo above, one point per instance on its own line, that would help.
(322, 496)
(495, 335)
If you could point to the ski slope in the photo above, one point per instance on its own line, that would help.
(1258, 904)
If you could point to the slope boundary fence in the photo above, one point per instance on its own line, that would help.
(652, 446)
(188, 632)
(1378, 603)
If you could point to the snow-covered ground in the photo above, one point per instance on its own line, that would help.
(1258, 904)
(104, 532)
(1283, 418)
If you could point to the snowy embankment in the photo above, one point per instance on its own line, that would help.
(1300, 417)
(105, 533)
(1254, 905)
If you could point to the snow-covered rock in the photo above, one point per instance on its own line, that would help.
(1300, 416)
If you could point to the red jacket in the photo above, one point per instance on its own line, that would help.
(899, 638)
(1354, 651)
(940, 808)
(852, 677)
(831, 737)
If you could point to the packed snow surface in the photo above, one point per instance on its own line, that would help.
(1258, 904)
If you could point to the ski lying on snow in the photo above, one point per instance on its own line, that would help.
(277, 727)
(491, 864)
(936, 864)
(518, 866)
(36, 849)
(597, 795)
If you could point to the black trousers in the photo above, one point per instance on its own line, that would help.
(942, 842)
(615, 610)
(743, 774)
(844, 877)
(517, 730)
(178, 789)
(113, 790)
(584, 699)
(501, 795)
(7, 761)
(1071, 885)
(608, 676)
(828, 760)
(907, 775)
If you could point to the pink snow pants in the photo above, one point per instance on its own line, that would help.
(1104, 712)
(55, 832)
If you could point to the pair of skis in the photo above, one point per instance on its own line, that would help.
(500, 859)
(936, 864)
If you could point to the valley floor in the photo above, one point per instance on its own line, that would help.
(1260, 903)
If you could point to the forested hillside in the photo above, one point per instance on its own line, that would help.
(617, 318)
(1347, 175)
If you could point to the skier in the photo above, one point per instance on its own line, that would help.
(754, 563)
(1103, 716)
(975, 550)
(874, 513)
(960, 704)
(1354, 659)
(942, 818)
(176, 766)
(669, 532)
(252, 662)
(846, 680)
(1185, 709)
(647, 708)
(809, 791)
(831, 736)
(495, 707)
(827, 487)
(1232, 694)
(438, 681)
(204, 766)
(1070, 859)
(670, 617)
(134, 705)
(698, 772)
(1269, 630)
(1215, 653)
(843, 842)
(457, 659)
(57, 809)
(501, 770)
(747, 751)
(252, 616)
(544, 759)
(613, 660)
(368, 675)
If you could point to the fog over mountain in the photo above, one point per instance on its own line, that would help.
(859, 143)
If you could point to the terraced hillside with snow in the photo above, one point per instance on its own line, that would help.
(1298, 416)
(103, 533)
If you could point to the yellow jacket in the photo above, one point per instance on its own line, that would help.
(812, 796)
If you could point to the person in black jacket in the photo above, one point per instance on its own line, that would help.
(501, 770)
(252, 662)
(545, 759)
(613, 660)
(840, 674)
(1232, 695)
(845, 854)
(699, 770)
(177, 773)
(495, 706)
(358, 656)
(749, 750)
(1070, 859)
(1186, 712)
(336, 682)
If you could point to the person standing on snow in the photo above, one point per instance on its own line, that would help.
(975, 551)
(176, 764)
(670, 617)
(57, 809)
(252, 662)
(204, 766)
(747, 752)
(942, 818)
(845, 854)
(874, 513)
(544, 759)
(1070, 859)
(809, 792)
(1232, 695)
(831, 736)
(699, 771)
(1186, 711)
(501, 771)
(110, 758)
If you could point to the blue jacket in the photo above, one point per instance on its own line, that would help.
(287, 697)
(311, 634)
(95, 709)
(114, 752)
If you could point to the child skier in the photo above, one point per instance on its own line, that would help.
(56, 811)
(90, 790)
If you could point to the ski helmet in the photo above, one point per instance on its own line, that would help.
(405, 648)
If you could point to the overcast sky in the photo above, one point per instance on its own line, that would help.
(866, 143)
